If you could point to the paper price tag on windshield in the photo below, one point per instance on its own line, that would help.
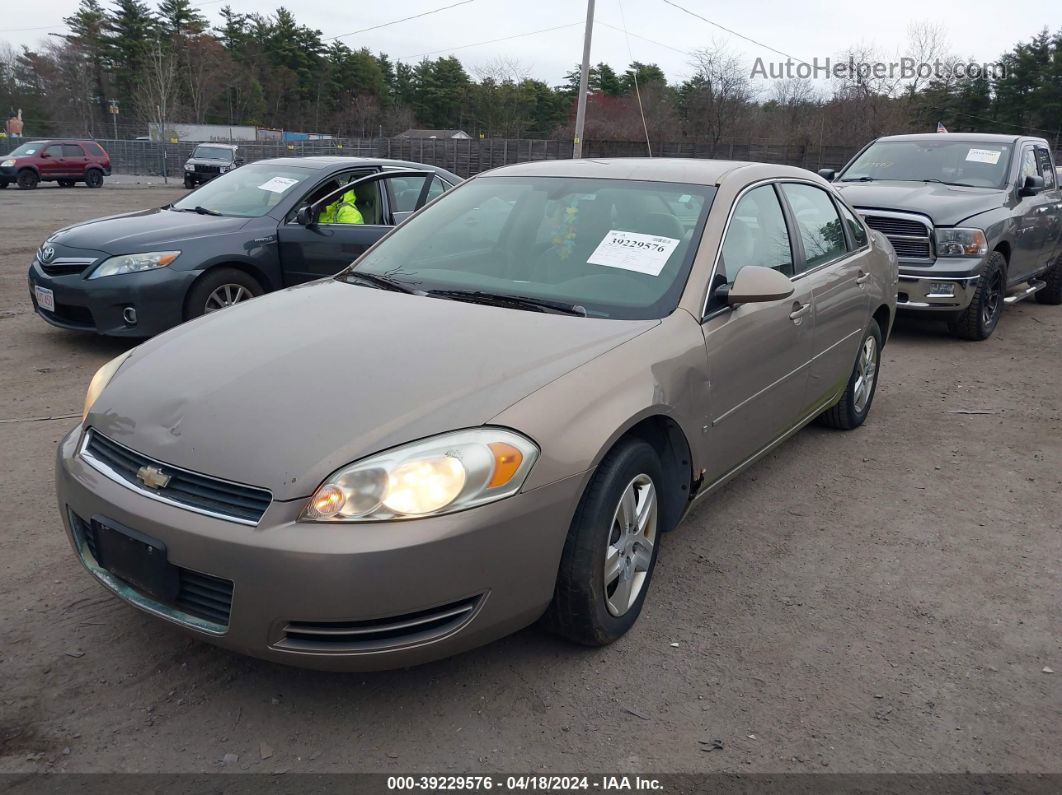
(633, 252)
(278, 184)
(983, 156)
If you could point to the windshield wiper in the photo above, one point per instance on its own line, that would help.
(380, 282)
(204, 211)
(197, 209)
(942, 182)
(515, 301)
(858, 179)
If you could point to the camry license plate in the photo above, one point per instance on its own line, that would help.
(45, 298)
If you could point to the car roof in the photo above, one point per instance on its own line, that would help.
(983, 138)
(335, 162)
(650, 169)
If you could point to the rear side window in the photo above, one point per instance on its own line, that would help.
(818, 223)
(73, 150)
(856, 231)
(757, 235)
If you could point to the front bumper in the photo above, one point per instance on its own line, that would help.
(99, 305)
(500, 558)
(924, 293)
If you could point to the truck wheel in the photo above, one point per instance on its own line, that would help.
(1052, 294)
(189, 183)
(980, 318)
(611, 549)
(220, 288)
(28, 179)
(94, 178)
(854, 406)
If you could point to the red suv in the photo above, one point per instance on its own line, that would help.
(65, 162)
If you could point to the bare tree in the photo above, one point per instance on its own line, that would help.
(927, 43)
(502, 69)
(719, 94)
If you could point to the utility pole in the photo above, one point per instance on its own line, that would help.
(584, 82)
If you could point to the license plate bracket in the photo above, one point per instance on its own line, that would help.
(45, 297)
(137, 559)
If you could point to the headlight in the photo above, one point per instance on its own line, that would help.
(223, 169)
(961, 243)
(7, 163)
(440, 475)
(100, 380)
(131, 263)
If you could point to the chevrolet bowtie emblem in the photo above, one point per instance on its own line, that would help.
(153, 477)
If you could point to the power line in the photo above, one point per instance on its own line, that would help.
(491, 41)
(644, 38)
(404, 19)
(735, 33)
(634, 73)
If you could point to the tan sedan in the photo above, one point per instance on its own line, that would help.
(489, 419)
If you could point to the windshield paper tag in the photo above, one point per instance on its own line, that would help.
(631, 251)
(278, 184)
(983, 156)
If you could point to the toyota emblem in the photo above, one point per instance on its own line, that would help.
(47, 254)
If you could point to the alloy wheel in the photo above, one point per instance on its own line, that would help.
(993, 300)
(630, 545)
(226, 295)
(866, 373)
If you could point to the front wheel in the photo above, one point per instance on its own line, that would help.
(220, 288)
(28, 179)
(980, 318)
(94, 178)
(611, 549)
(3, 184)
(189, 183)
(854, 406)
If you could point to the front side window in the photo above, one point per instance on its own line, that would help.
(757, 235)
(954, 162)
(1029, 168)
(1047, 171)
(248, 192)
(611, 248)
(55, 150)
(818, 223)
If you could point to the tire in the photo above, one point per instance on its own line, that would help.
(27, 179)
(1052, 294)
(3, 184)
(585, 604)
(980, 318)
(94, 178)
(852, 409)
(65, 183)
(189, 183)
(207, 294)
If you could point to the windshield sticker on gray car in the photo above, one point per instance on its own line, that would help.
(983, 156)
(278, 184)
(632, 251)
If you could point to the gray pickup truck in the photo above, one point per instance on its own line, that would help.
(976, 221)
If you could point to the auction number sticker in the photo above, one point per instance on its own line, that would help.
(983, 156)
(278, 184)
(632, 251)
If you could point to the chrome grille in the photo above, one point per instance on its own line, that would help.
(62, 266)
(379, 633)
(910, 236)
(190, 490)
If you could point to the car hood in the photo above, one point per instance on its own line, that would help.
(282, 391)
(145, 230)
(946, 205)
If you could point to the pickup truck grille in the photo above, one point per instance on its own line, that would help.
(200, 169)
(911, 237)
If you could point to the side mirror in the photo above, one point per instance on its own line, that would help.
(239, 161)
(1032, 186)
(827, 174)
(756, 285)
(44, 155)
(306, 216)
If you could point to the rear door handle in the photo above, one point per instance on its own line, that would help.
(799, 310)
(862, 278)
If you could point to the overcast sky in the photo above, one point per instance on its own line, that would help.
(982, 29)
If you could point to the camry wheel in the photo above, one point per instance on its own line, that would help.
(854, 406)
(611, 549)
(220, 288)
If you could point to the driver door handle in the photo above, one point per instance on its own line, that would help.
(799, 310)
(862, 278)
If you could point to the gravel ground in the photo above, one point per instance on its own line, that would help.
(883, 600)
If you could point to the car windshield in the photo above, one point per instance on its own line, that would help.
(26, 149)
(595, 247)
(249, 191)
(952, 162)
(213, 153)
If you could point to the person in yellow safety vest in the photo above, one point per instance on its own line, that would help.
(342, 211)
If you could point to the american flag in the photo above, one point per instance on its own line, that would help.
(941, 128)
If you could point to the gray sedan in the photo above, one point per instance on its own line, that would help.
(491, 418)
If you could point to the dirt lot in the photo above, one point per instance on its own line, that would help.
(884, 600)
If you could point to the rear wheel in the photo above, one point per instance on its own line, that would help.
(980, 318)
(611, 549)
(854, 406)
(1052, 294)
(28, 179)
(220, 288)
(94, 178)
